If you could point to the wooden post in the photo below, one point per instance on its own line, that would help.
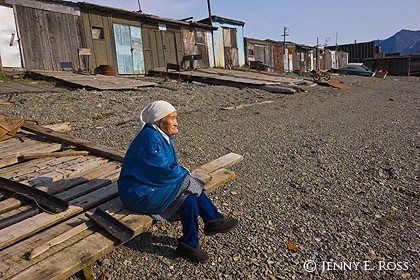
(86, 273)
(1, 67)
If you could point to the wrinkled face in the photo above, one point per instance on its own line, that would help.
(169, 124)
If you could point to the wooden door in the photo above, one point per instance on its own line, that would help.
(129, 48)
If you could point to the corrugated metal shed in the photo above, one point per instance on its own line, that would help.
(396, 66)
(228, 40)
(358, 51)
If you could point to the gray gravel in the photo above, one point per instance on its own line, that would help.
(334, 172)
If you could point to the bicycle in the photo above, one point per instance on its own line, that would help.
(317, 75)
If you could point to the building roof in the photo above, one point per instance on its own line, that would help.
(218, 18)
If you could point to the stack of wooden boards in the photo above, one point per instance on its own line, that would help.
(38, 244)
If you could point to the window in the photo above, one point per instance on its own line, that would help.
(98, 33)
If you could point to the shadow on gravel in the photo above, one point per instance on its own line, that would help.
(154, 245)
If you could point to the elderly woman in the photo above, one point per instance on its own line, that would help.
(152, 182)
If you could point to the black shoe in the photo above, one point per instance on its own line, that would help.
(195, 254)
(220, 225)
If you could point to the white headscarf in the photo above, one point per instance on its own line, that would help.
(155, 111)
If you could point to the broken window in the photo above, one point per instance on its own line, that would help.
(98, 33)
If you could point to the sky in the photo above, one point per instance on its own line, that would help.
(308, 22)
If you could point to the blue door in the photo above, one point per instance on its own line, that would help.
(129, 47)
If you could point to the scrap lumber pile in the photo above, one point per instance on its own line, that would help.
(38, 167)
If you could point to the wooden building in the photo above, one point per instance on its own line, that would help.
(281, 56)
(49, 33)
(54, 35)
(228, 41)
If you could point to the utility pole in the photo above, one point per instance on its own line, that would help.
(285, 30)
(317, 54)
(138, 1)
(212, 35)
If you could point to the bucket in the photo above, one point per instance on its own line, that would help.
(107, 70)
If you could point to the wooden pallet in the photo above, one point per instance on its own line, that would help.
(56, 246)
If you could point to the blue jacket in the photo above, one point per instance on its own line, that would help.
(150, 176)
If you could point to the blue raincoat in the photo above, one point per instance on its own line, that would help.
(150, 176)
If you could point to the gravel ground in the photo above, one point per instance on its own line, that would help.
(334, 172)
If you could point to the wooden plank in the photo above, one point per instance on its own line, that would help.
(67, 171)
(90, 186)
(27, 144)
(63, 185)
(218, 178)
(97, 149)
(247, 105)
(13, 159)
(59, 264)
(25, 176)
(67, 262)
(43, 220)
(56, 154)
(14, 259)
(31, 165)
(222, 162)
(119, 211)
(15, 212)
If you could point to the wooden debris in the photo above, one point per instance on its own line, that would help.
(9, 126)
(292, 247)
(5, 103)
(55, 154)
(61, 127)
(247, 105)
(82, 144)
(335, 84)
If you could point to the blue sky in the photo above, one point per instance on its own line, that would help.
(343, 21)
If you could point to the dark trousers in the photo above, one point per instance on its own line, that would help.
(190, 210)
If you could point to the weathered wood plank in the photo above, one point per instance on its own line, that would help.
(97, 149)
(43, 220)
(13, 157)
(56, 154)
(218, 178)
(14, 259)
(222, 162)
(59, 264)
(67, 262)
(90, 186)
(67, 171)
(30, 166)
(63, 185)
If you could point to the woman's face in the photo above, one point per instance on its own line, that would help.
(169, 124)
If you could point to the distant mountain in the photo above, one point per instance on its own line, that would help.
(404, 42)
(412, 49)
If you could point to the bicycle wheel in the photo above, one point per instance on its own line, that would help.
(326, 76)
(316, 77)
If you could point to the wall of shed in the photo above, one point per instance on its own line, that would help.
(102, 50)
(218, 43)
(161, 46)
(358, 51)
(162, 43)
(196, 41)
(49, 37)
(396, 66)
